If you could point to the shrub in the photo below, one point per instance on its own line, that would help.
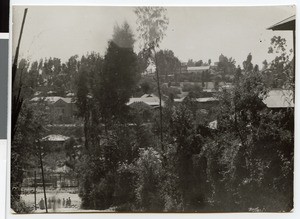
(21, 207)
(148, 168)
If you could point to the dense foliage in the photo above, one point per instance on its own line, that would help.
(143, 159)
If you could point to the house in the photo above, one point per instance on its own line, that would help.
(195, 73)
(149, 99)
(61, 109)
(198, 69)
(55, 138)
(56, 172)
(184, 69)
(54, 142)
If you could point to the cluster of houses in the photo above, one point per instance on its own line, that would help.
(62, 110)
(63, 113)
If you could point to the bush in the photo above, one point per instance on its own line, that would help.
(125, 187)
(21, 207)
(148, 168)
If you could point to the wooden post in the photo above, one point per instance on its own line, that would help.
(35, 190)
(17, 100)
(15, 64)
(43, 179)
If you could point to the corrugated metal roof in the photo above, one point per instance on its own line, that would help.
(279, 99)
(206, 99)
(198, 68)
(179, 100)
(55, 138)
(149, 99)
(199, 100)
(52, 99)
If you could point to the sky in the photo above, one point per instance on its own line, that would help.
(193, 32)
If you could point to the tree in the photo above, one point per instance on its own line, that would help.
(226, 66)
(281, 70)
(33, 77)
(190, 63)
(145, 86)
(104, 88)
(167, 62)
(238, 74)
(199, 63)
(70, 68)
(209, 61)
(143, 60)
(265, 65)
(29, 128)
(86, 81)
(247, 64)
(118, 78)
(152, 25)
(252, 161)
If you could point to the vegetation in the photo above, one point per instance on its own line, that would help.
(143, 160)
(152, 25)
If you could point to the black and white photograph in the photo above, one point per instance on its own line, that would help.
(152, 109)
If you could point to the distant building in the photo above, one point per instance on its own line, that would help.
(55, 138)
(59, 176)
(184, 69)
(54, 142)
(198, 69)
(61, 109)
(194, 73)
(149, 99)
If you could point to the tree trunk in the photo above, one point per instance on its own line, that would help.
(160, 103)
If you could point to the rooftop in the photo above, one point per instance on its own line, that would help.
(206, 99)
(286, 24)
(52, 99)
(150, 99)
(55, 138)
(198, 68)
(199, 100)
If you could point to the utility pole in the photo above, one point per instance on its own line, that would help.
(42, 169)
